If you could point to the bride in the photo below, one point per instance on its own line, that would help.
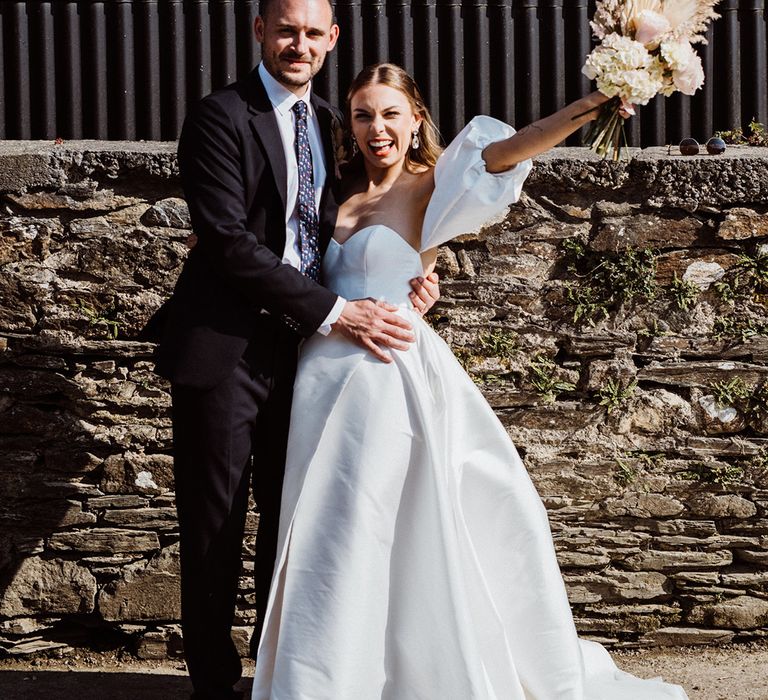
(415, 560)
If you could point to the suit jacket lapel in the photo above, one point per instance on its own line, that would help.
(264, 125)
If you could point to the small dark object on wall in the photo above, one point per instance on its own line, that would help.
(689, 147)
(715, 146)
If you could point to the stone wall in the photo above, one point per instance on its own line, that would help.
(615, 320)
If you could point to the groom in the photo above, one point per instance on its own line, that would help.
(257, 167)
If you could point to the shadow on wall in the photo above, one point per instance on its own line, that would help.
(88, 536)
(83, 504)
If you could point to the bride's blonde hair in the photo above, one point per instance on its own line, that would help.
(395, 77)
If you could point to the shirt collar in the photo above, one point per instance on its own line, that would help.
(282, 98)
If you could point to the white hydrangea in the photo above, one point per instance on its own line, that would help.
(630, 53)
(622, 66)
(641, 86)
(677, 54)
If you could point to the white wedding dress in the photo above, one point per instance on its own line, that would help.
(415, 559)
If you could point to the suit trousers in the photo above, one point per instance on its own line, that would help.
(225, 439)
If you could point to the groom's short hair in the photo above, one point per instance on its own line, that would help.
(264, 6)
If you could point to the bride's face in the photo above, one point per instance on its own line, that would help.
(383, 122)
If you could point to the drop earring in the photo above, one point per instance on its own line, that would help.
(354, 147)
(415, 142)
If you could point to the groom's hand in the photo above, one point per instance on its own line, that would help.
(371, 323)
(426, 291)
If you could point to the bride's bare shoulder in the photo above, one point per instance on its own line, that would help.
(424, 180)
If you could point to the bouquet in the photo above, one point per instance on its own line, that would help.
(646, 48)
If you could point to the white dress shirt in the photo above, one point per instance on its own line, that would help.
(283, 100)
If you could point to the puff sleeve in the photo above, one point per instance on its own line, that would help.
(466, 196)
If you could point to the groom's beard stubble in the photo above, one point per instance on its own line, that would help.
(297, 76)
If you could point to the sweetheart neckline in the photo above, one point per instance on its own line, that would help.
(373, 226)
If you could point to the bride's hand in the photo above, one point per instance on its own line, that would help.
(627, 109)
(370, 323)
(426, 291)
(590, 105)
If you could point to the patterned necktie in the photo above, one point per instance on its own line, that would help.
(308, 224)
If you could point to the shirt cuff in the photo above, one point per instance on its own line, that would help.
(332, 317)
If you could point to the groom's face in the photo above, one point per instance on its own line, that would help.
(295, 35)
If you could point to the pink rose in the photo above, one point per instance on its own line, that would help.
(650, 26)
(689, 77)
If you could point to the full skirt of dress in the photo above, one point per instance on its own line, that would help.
(415, 557)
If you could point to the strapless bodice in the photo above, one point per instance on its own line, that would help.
(374, 262)
(377, 262)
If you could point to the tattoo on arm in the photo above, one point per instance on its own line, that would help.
(531, 126)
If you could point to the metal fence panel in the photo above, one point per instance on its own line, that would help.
(128, 69)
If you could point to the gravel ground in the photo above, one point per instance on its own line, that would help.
(729, 672)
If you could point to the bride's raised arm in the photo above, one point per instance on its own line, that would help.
(543, 134)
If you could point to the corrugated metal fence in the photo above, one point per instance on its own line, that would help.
(126, 69)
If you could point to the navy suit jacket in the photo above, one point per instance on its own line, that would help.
(233, 173)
